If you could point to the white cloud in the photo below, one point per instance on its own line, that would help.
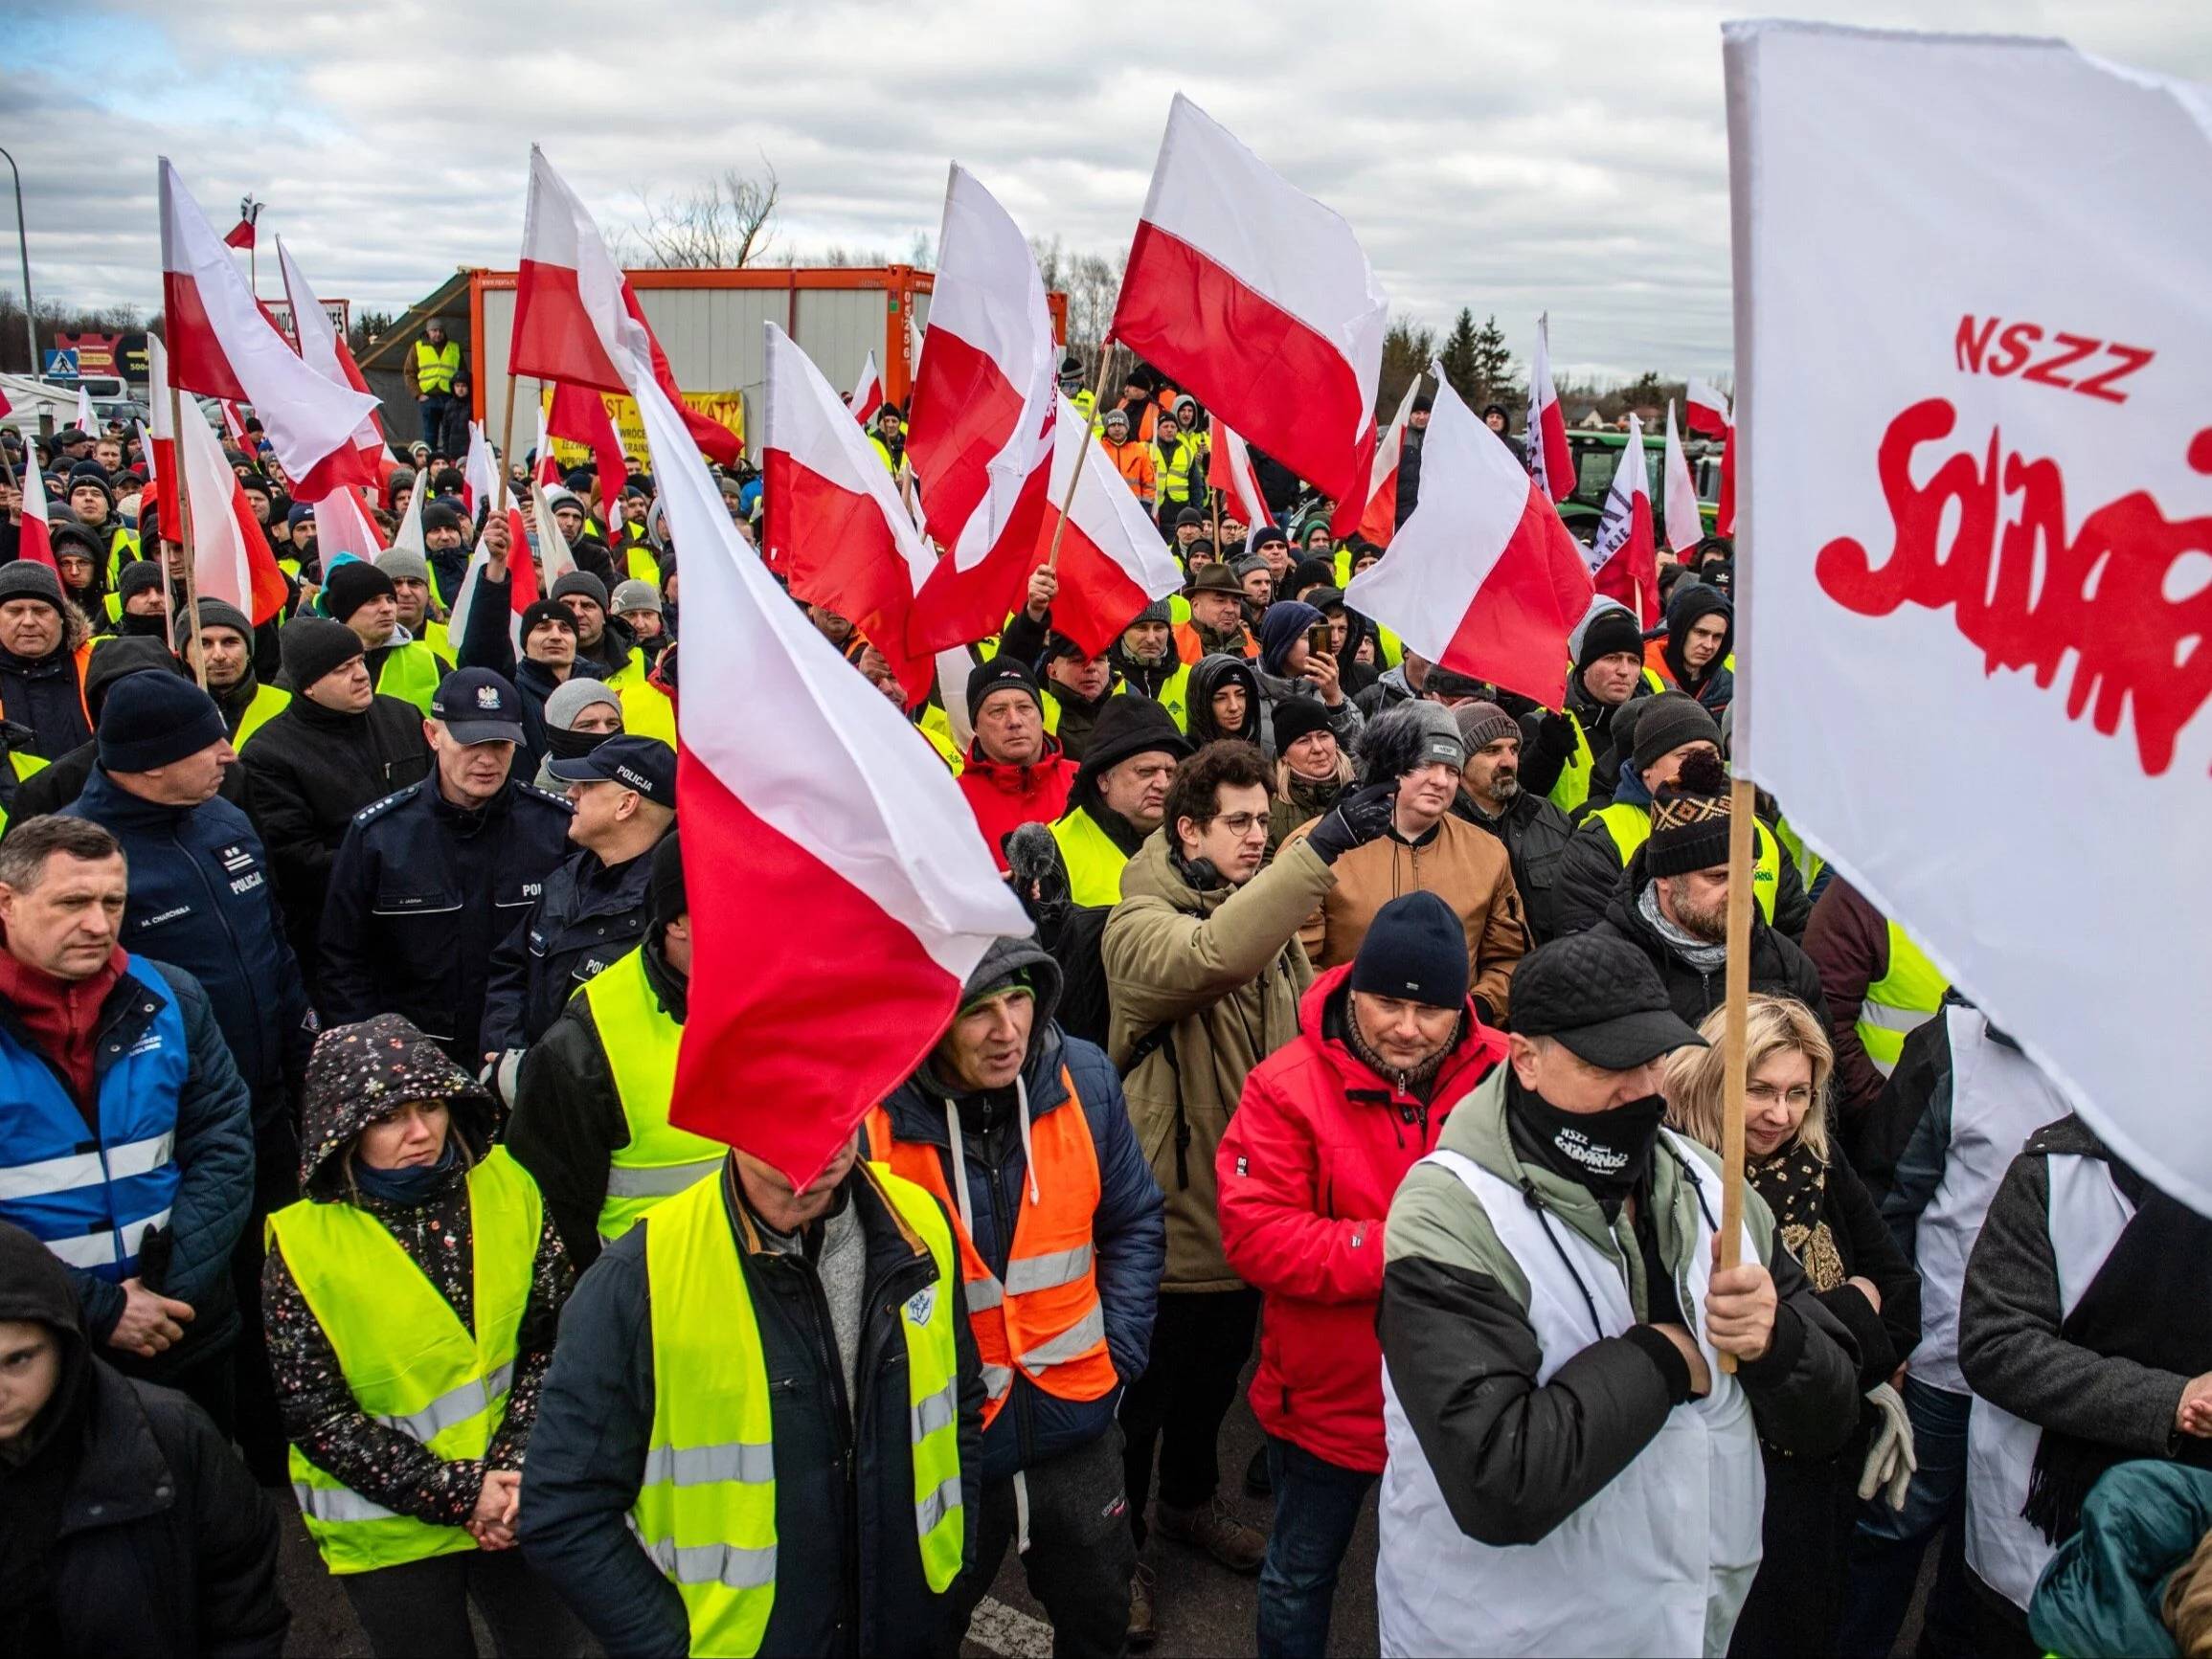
(1503, 156)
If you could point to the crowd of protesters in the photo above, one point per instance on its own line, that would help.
(1371, 1022)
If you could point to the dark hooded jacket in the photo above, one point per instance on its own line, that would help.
(43, 693)
(1716, 688)
(126, 1524)
(360, 1073)
(1208, 676)
(1128, 1232)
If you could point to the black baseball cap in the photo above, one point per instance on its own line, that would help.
(1601, 998)
(478, 706)
(645, 764)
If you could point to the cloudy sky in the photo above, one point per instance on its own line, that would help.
(1507, 156)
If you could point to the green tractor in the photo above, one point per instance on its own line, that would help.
(1597, 457)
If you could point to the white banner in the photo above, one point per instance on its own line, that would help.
(1974, 338)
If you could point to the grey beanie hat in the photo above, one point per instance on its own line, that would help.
(29, 579)
(571, 697)
(635, 596)
(582, 582)
(403, 565)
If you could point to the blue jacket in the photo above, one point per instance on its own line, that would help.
(421, 893)
(201, 900)
(212, 1155)
(1129, 1234)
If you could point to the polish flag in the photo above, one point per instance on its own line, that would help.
(220, 344)
(522, 583)
(836, 527)
(1624, 553)
(86, 420)
(34, 539)
(1550, 461)
(1229, 468)
(343, 526)
(1705, 411)
(576, 315)
(552, 547)
(231, 555)
(868, 392)
(1257, 300)
(409, 534)
(547, 473)
(815, 816)
(479, 471)
(1482, 577)
(1685, 527)
(161, 448)
(1112, 563)
(323, 350)
(1379, 522)
(234, 423)
(981, 439)
(579, 414)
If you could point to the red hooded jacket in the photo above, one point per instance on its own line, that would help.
(1005, 798)
(1313, 1155)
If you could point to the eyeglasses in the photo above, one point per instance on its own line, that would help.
(1766, 1094)
(1241, 823)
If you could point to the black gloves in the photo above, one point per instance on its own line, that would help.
(1355, 820)
(1555, 736)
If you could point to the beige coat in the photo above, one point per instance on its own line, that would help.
(1225, 967)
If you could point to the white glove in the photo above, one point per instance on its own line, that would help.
(1891, 1461)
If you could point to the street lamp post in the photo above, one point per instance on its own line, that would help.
(23, 245)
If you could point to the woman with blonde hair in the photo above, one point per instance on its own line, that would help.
(1829, 1221)
(1310, 768)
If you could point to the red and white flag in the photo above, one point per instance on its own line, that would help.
(323, 350)
(547, 472)
(221, 343)
(231, 559)
(161, 451)
(35, 536)
(1112, 563)
(1378, 520)
(1624, 553)
(552, 547)
(579, 414)
(1551, 460)
(1686, 526)
(1229, 468)
(836, 528)
(522, 583)
(1482, 577)
(1979, 478)
(1705, 411)
(575, 314)
(867, 391)
(814, 816)
(342, 525)
(234, 426)
(1258, 302)
(86, 420)
(981, 437)
(479, 471)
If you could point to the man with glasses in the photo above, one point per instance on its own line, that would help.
(1204, 972)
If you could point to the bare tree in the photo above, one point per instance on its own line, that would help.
(726, 223)
(1091, 283)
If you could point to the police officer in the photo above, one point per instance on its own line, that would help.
(429, 881)
(593, 909)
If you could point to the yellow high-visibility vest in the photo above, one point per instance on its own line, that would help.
(640, 1043)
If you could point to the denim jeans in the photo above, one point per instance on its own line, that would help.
(1886, 1551)
(1317, 1505)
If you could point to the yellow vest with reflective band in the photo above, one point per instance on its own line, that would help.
(706, 1511)
(1173, 459)
(642, 563)
(268, 703)
(1899, 1002)
(23, 765)
(1630, 827)
(1808, 862)
(411, 673)
(411, 1363)
(1174, 696)
(631, 673)
(1094, 862)
(435, 366)
(646, 711)
(1574, 786)
(640, 1043)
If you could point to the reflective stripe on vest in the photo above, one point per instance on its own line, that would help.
(706, 1510)
(92, 1200)
(1574, 786)
(409, 1360)
(1899, 1002)
(1045, 1317)
(1630, 827)
(1095, 863)
(435, 366)
(1172, 459)
(268, 703)
(640, 1041)
(411, 673)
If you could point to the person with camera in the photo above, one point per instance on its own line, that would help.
(1295, 662)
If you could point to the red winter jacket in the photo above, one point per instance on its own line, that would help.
(1005, 798)
(1313, 1155)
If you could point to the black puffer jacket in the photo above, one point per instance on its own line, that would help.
(126, 1524)
(308, 770)
(589, 914)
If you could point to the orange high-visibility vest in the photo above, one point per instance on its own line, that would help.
(1045, 1318)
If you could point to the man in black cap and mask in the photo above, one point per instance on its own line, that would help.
(1553, 1321)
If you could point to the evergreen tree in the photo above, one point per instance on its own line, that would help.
(1461, 358)
(1492, 363)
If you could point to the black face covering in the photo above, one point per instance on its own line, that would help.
(1609, 1152)
(573, 745)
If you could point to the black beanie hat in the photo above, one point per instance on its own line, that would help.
(1296, 717)
(1611, 631)
(1415, 950)
(352, 584)
(665, 886)
(222, 613)
(313, 647)
(540, 612)
(29, 579)
(439, 516)
(1672, 720)
(153, 720)
(139, 577)
(1000, 674)
(1689, 820)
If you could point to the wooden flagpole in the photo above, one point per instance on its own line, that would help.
(506, 443)
(1741, 808)
(184, 524)
(1082, 453)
